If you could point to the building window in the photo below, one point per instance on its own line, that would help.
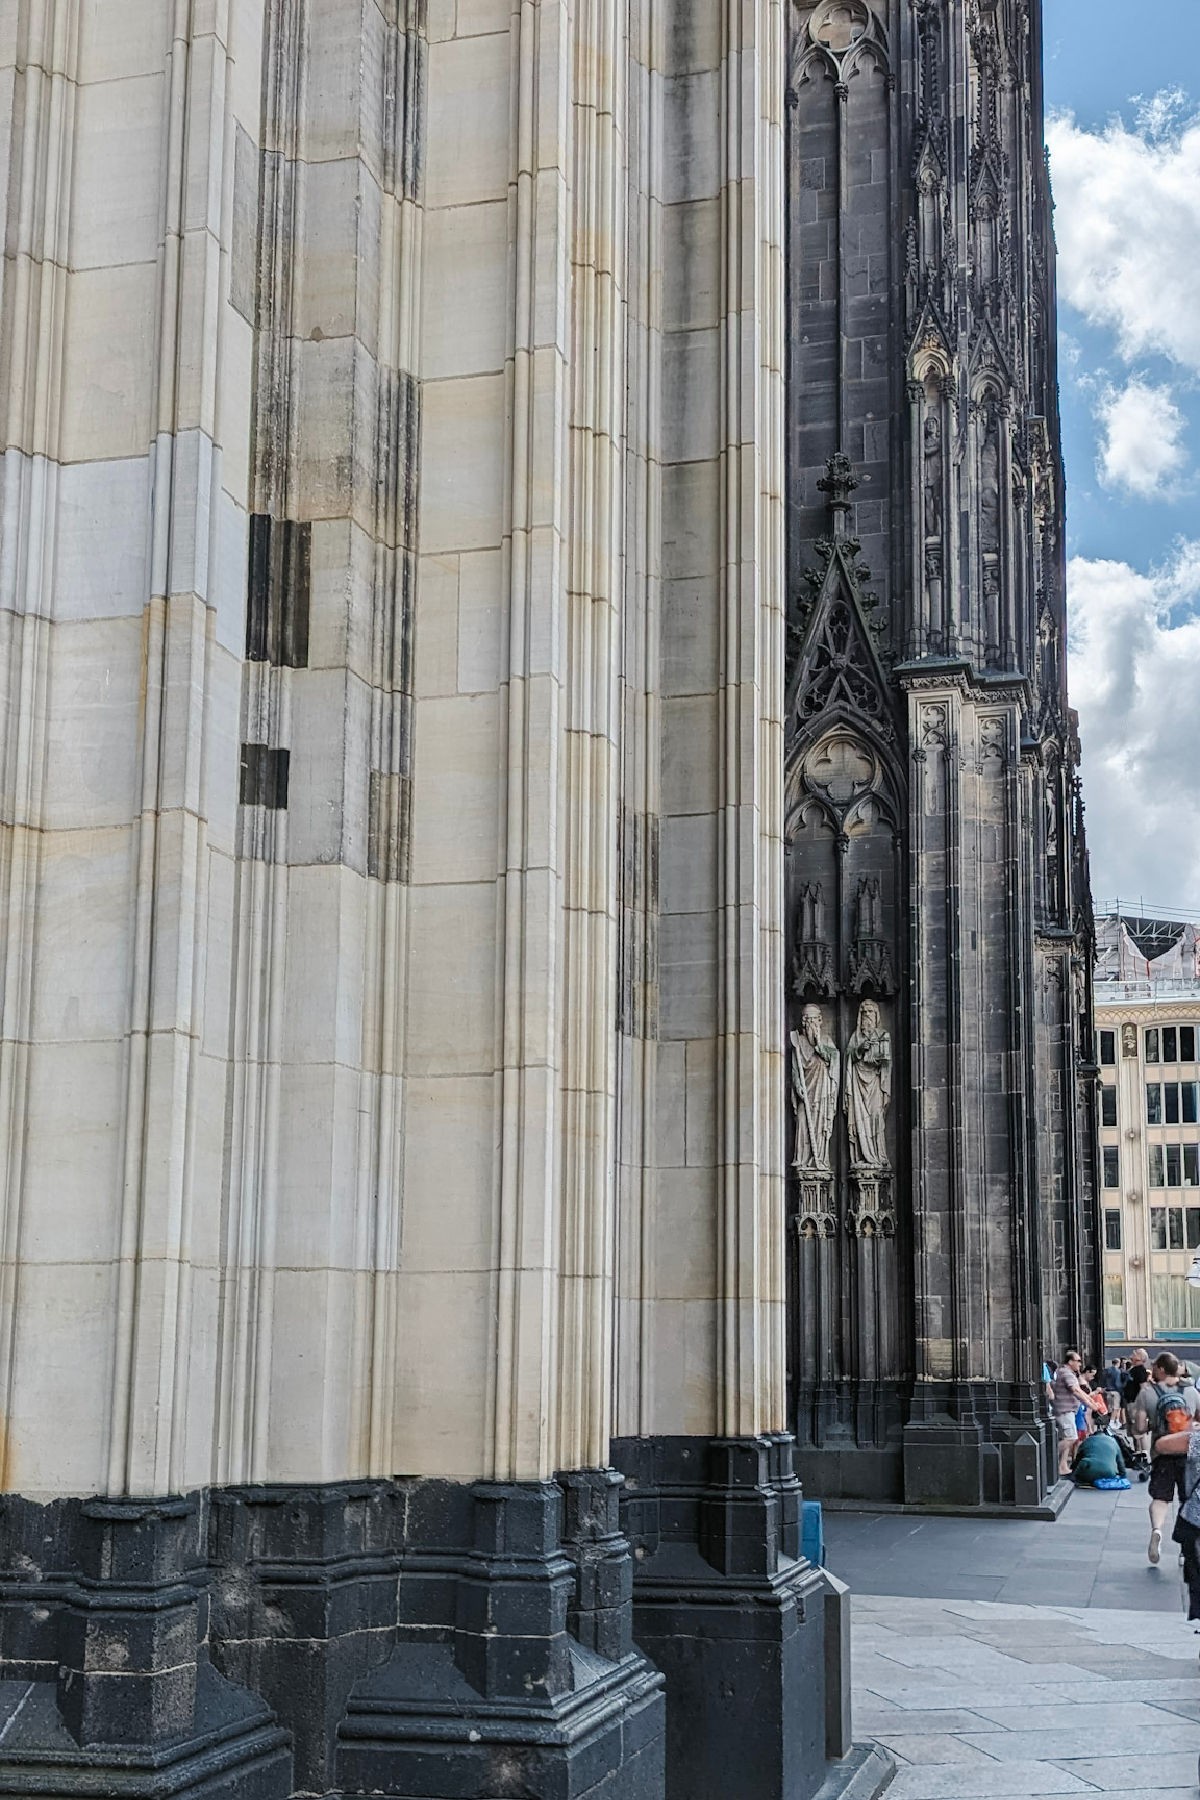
(1192, 1227)
(1152, 1045)
(1157, 1177)
(1191, 1165)
(1170, 1044)
(1187, 1043)
(1108, 1105)
(1108, 1048)
(1171, 1102)
(1112, 1166)
(1176, 1306)
(1189, 1094)
(1112, 1227)
(1153, 1103)
(1174, 1178)
(1158, 1227)
(1114, 1304)
(1174, 1228)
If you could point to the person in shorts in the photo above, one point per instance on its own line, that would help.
(1066, 1397)
(1164, 1409)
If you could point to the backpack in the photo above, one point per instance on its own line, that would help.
(1170, 1400)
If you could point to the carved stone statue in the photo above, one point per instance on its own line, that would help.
(816, 1076)
(933, 476)
(868, 1090)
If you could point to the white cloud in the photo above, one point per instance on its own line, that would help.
(1141, 448)
(1135, 678)
(1128, 227)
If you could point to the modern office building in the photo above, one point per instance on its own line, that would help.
(1148, 1033)
(548, 946)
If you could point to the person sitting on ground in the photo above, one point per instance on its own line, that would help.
(1099, 1458)
(1068, 1394)
(1163, 1410)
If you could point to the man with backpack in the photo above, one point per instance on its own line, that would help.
(1164, 1409)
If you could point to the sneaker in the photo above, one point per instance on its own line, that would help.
(1155, 1551)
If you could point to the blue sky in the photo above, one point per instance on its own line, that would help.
(1123, 88)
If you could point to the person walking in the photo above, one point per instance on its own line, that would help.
(1114, 1381)
(1136, 1379)
(1163, 1410)
(1067, 1396)
(1186, 1446)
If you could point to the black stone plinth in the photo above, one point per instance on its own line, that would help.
(107, 1686)
(515, 1672)
(725, 1605)
(973, 1445)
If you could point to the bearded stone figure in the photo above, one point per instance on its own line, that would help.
(868, 1090)
(816, 1076)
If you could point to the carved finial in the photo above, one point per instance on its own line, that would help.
(839, 483)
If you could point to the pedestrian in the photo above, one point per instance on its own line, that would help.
(1114, 1381)
(1186, 1446)
(1163, 1409)
(1138, 1376)
(1067, 1396)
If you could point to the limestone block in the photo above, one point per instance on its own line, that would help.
(337, 287)
(102, 540)
(687, 862)
(684, 1340)
(691, 636)
(691, 395)
(441, 1424)
(689, 754)
(451, 1141)
(691, 136)
(108, 362)
(314, 1377)
(670, 1111)
(481, 621)
(451, 979)
(56, 1434)
(328, 791)
(691, 514)
(688, 973)
(81, 934)
(468, 99)
(72, 1163)
(435, 656)
(227, 572)
(317, 1227)
(93, 725)
(691, 257)
(455, 811)
(462, 464)
(464, 314)
(685, 1262)
(128, 38)
(117, 205)
(322, 1013)
(342, 595)
(474, 18)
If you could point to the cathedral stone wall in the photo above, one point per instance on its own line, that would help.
(530, 594)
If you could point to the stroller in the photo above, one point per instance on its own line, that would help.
(1136, 1461)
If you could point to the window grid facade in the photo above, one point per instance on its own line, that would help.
(1148, 1103)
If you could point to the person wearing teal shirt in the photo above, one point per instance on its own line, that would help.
(1099, 1459)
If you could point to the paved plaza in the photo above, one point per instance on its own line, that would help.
(1022, 1659)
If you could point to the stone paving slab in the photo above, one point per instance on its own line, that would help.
(1092, 1722)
